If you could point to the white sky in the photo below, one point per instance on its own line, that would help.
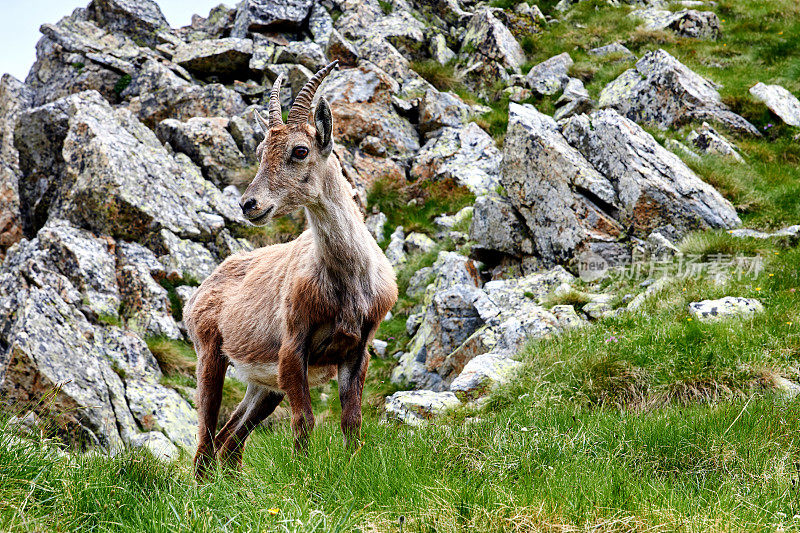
(20, 21)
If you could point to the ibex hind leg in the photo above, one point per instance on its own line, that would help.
(211, 368)
(258, 403)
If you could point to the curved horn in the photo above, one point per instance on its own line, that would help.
(302, 104)
(275, 114)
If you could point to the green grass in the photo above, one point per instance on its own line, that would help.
(428, 200)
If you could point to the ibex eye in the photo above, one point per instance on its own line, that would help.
(300, 152)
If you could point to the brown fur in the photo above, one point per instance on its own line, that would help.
(292, 315)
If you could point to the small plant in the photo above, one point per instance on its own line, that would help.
(386, 7)
(442, 77)
(121, 84)
(78, 66)
(173, 356)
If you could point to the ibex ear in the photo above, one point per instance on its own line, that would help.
(260, 122)
(324, 125)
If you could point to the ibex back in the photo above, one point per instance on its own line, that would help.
(290, 316)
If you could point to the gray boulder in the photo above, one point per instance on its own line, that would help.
(467, 155)
(779, 101)
(89, 163)
(215, 57)
(616, 49)
(441, 109)
(183, 258)
(157, 92)
(489, 39)
(686, 23)
(209, 145)
(361, 105)
(320, 24)
(264, 16)
(140, 19)
(395, 251)
(338, 47)
(662, 91)
(549, 77)
(375, 224)
(496, 227)
(308, 54)
(578, 186)
(483, 373)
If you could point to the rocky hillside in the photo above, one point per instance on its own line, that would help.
(500, 182)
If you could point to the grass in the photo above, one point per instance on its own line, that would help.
(428, 200)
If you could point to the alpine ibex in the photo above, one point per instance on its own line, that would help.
(294, 315)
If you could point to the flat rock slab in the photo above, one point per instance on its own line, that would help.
(727, 307)
(222, 57)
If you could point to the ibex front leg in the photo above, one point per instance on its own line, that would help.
(352, 374)
(293, 379)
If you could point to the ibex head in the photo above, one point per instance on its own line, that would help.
(293, 155)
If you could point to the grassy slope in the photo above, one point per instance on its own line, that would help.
(647, 421)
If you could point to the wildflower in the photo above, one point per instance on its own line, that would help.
(689, 319)
(758, 288)
(776, 253)
(780, 33)
(768, 126)
(771, 275)
(273, 510)
(789, 323)
(611, 339)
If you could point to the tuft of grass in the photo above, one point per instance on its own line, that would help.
(121, 84)
(386, 7)
(443, 77)
(573, 297)
(173, 356)
(427, 200)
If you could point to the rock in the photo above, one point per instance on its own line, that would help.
(727, 307)
(375, 224)
(680, 149)
(419, 282)
(158, 444)
(491, 41)
(415, 408)
(662, 91)
(574, 100)
(361, 105)
(320, 25)
(403, 31)
(209, 145)
(87, 261)
(218, 25)
(708, 140)
(263, 16)
(660, 247)
(517, 94)
(310, 55)
(467, 155)
(567, 317)
(540, 172)
(661, 181)
(463, 216)
(215, 57)
(140, 19)
(185, 292)
(380, 347)
(483, 373)
(597, 310)
(550, 76)
(385, 56)
(496, 227)
(615, 50)
(182, 258)
(439, 49)
(410, 371)
(413, 322)
(157, 93)
(74, 55)
(419, 243)
(779, 101)
(340, 48)
(629, 181)
(395, 252)
(115, 176)
(441, 109)
(15, 97)
(686, 23)
(146, 306)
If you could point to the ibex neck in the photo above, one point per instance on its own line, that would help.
(341, 238)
